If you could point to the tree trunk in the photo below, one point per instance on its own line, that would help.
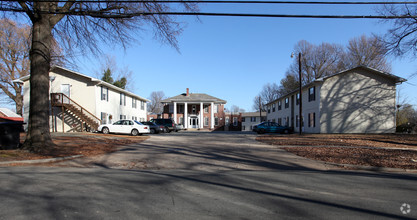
(38, 138)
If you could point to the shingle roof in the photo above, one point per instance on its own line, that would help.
(9, 115)
(194, 97)
(396, 79)
(97, 81)
(252, 114)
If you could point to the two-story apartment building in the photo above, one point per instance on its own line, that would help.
(250, 119)
(196, 110)
(79, 101)
(358, 100)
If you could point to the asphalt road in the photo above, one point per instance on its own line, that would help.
(270, 190)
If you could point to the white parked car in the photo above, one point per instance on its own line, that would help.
(125, 127)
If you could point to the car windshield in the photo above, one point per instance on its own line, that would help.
(138, 123)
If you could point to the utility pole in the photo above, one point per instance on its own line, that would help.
(260, 110)
(301, 99)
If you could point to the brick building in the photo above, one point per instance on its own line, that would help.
(196, 111)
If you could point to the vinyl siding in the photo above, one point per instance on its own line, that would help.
(357, 102)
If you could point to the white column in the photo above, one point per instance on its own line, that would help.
(212, 116)
(201, 120)
(175, 113)
(185, 115)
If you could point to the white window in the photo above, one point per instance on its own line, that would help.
(216, 121)
(122, 117)
(181, 121)
(206, 109)
(235, 121)
(142, 105)
(252, 119)
(134, 103)
(206, 121)
(227, 121)
(104, 93)
(122, 99)
(216, 108)
(193, 109)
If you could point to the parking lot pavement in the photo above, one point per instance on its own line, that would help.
(205, 151)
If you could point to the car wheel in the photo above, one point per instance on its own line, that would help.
(105, 130)
(166, 130)
(134, 132)
(261, 131)
(153, 131)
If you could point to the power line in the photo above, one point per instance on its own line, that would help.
(236, 2)
(265, 15)
(130, 15)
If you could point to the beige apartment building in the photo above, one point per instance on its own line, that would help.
(80, 102)
(358, 100)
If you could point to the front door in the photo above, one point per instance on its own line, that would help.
(66, 90)
(193, 122)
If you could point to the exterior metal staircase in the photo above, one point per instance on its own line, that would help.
(75, 110)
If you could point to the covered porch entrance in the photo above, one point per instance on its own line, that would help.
(193, 122)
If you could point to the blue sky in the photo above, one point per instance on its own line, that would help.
(233, 57)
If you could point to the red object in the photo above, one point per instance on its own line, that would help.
(12, 118)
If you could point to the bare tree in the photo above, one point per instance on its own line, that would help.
(156, 106)
(14, 59)
(268, 94)
(402, 38)
(316, 61)
(367, 51)
(80, 25)
(236, 109)
(326, 59)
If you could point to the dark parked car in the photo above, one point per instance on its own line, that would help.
(167, 123)
(271, 127)
(154, 128)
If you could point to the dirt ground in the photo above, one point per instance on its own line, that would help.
(70, 144)
(379, 150)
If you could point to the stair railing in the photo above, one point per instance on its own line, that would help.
(60, 99)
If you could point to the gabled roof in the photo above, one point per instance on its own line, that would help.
(92, 79)
(252, 114)
(9, 115)
(194, 97)
(395, 78)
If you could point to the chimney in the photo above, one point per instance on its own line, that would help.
(188, 92)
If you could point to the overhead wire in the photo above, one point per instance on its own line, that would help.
(236, 2)
(144, 13)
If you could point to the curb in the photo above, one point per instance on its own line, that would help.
(40, 160)
(372, 168)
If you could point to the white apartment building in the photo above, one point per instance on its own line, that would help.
(250, 119)
(358, 100)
